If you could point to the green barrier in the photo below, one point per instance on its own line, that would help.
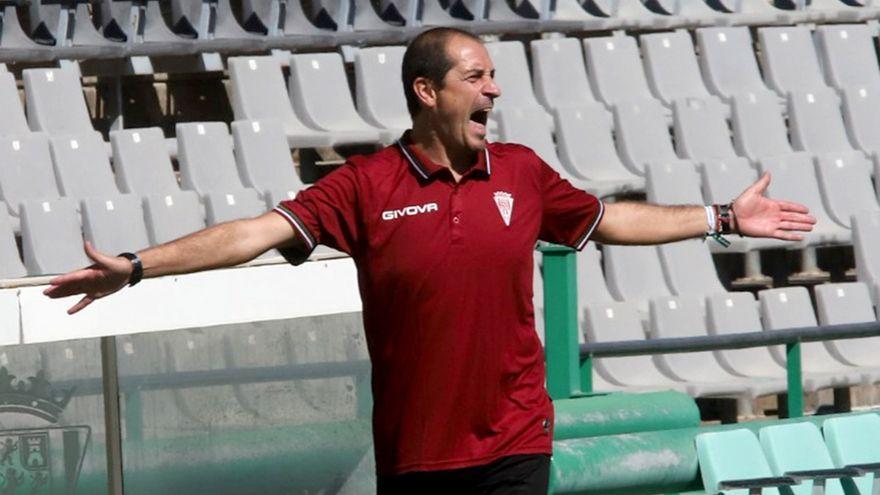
(638, 463)
(612, 414)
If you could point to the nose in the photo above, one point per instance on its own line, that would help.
(491, 89)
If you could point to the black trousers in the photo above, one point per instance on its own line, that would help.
(514, 475)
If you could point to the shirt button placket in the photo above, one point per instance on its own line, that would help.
(456, 214)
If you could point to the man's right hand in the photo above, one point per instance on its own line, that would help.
(107, 275)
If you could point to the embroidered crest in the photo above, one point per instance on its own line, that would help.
(504, 202)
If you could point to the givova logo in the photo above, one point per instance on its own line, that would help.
(408, 211)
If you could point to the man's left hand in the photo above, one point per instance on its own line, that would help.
(756, 215)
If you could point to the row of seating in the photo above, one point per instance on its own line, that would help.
(844, 457)
(46, 181)
(138, 28)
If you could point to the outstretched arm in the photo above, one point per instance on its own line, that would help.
(221, 245)
(755, 215)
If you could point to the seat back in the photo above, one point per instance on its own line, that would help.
(798, 447)
(595, 158)
(815, 122)
(616, 322)
(81, 166)
(55, 101)
(115, 225)
(642, 134)
(512, 75)
(728, 61)
(759, 130)
(10, 261)
(866, 238)
(788, 57)
(847, 303)
(380, 99)
(51, 237)
(848, 55)
(517, 125)
(854, 440)
(13, 121)
(634, 273)
(263, 158)
(234, 205)
(701, 130)
(258, 92)
(319, 90)
(169, 216)
(845, 182)
(734, 313)
(205, 156)
(142, 163)
(731, 455)
(559, 73)
(671, 65)
(615, 69)
(861, 112)
(26, 172)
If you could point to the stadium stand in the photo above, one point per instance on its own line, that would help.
(212, 26)
(642, 135)
(789, 60)
(114, 225)
(701, 131)
(728, 61)
(842, 303)
(381, 104)
(51, 237)
(139, 24)
(55, 102)
(67, 26)
(15, 44)
(264, 161)
(845, 182)
(735, 455)
(559, 75)
(671, 66)
(852, 442)
(860, 110)
(207, 162)
(512, 74)
(226, 206)
(82, 168)
(799, 447)
(141, 162)
(14, 121)
(866, 234)
(26, 172)
(634, 274)
(759, 130)
(848, 55)
(169, 216)
(815, 123)
(615, 70)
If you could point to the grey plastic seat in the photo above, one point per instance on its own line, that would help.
(379, 101)
(674, 317)
(594, 159)
(737, 312)
(632, 13)
(141, 162)
(845, 182)
(559, 74)
(213, 25)
(759, 130)
(634, 274)
(68, 28)
(671, 66)
(14, 121)
(701, 130)
(861, 113)
(257, 92)
(320, 94)
(14, 42)
(847, 303)
(866, 236)
(55, 101)
(615, 70)
(642, 135)
(51, 237)
(139, 24)
(173, 215)
(794, 178)
(115, 225)
(264, 160)
(512, 76)
(225, 207)
(206, 159)
(753, 12)
(788, 57)
(848, 55)
(592, 288)
(11, 265)
(26, 170)
(728, 62)
(617, 322)
(81, 166)
(790, 307)
(815, 123)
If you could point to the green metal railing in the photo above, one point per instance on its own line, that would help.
(569, 364)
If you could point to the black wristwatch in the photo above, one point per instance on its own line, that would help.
(137, 272)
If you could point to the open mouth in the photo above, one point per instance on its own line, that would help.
(481, 116)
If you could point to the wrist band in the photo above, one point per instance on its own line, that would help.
(137, 272)
(710, 219)
(718, 219)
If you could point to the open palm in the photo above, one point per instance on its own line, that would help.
(757, 215)
(105, 276)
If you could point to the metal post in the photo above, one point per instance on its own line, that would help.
(795, 398)
(587, 375)
(560, 322)
(113, 429)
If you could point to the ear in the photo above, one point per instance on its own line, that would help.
(424, 90)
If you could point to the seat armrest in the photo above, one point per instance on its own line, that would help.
(823, 474)
(770, 482)
(867, 468)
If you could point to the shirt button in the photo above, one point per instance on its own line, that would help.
(455, 220)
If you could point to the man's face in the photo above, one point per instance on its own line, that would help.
(464, 101)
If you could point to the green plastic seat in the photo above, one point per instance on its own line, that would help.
(798, 447)
(732, 455)
(853, 440)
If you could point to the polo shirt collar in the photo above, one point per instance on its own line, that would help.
(426, 168)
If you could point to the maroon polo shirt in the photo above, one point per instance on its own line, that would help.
(445, 275)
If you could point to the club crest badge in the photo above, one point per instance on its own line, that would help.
(504, 202)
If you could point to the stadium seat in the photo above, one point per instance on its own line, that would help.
(815, 123)
(264, 160)
(172, 215)
(234, 205)
(14, 42)
(861, 113)
(380, 99)
(848, 55)
(10, 262)
(81, 166)
(753, 12)
(615, 69)
(512, 76)
(789, 60)
(759, 130)
(634, 274)
(736, 455)
(26, 172)
(846, 303)
(559, 74)
(671, 66)
(139, 24)
(677, 317)
(845, 182)
(51, 238)
(592, 288)
(728, 62)
(257, 92)
(212, 25)
(594, 159)
(866, 238)
(620, 322)
(790, 307)
(798, 450)
(115, 225)
(55, 101)
(701, 130)
(320, 94)
(141, 162)
(794, 178)
(14, 121)
(207, 163)
(388, 20)
(642, 135)
(68, 28)
(852, 442)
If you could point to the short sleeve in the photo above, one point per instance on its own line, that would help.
(569, 215)
(325, 213)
